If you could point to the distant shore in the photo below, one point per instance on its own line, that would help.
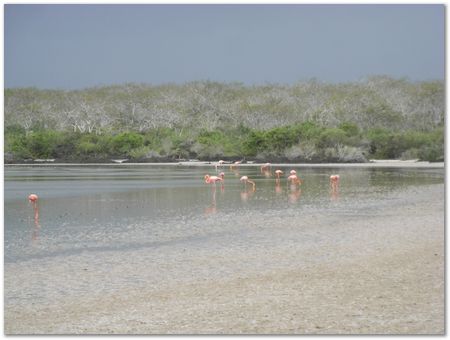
(372, 164)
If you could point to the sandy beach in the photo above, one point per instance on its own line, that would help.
(378, 272)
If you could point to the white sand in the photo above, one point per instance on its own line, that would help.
(377, 273)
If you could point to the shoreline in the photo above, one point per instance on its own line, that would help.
(371, 164)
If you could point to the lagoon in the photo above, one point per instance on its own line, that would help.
(104, 230)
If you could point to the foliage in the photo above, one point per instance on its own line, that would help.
(310, 121)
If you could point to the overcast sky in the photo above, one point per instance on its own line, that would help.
(79, 46)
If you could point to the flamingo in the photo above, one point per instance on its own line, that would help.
(334, 182)
(293, 178)
(33, 198)
(235, 165)
(213, 179)
(265, 167)
(278, 173)
(245, 180)
(219, 163)
(293, 172)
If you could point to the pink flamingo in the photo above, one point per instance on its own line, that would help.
(33, 198)
(334, 183)
(293, 172)
(213, 179)
(265, 167)
(219, 163)
(235, 165)
(293, 178)
(246, 180)
(278, 173)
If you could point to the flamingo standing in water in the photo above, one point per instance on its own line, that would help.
(33, 198)
(278, 173)
(293, 178)
(213, 179)
(334, 183)
(278, 189)
(235, 165)
(246, 180)
(265, 167)
(219, 163)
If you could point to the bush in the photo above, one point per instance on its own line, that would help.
(350, 129)
(16, 143)
(331, 137)
(431, 153)
(124, 142)
(140, 153)
(349, 154)
(43, 144)
(304, 151)
(308, 131)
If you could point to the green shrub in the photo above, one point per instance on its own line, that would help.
(308, 131)
(350, 129)
(43, 144)
(124, 142)
(331, 137)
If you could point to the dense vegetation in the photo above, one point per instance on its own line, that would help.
(306, 122)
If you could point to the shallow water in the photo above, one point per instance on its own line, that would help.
(95, 208)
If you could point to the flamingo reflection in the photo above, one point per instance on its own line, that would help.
(246, 180)
(213, 208)
(294, 194)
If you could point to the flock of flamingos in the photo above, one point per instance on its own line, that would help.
(293, 179)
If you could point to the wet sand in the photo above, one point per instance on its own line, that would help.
(381, 272)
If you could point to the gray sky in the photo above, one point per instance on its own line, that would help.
(78, 46)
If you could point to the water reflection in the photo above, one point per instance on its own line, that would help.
(294, 194)
(235, 172)
(247, 193)
(212, 209)
(278, 188)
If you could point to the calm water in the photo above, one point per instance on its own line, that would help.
(96, 208)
